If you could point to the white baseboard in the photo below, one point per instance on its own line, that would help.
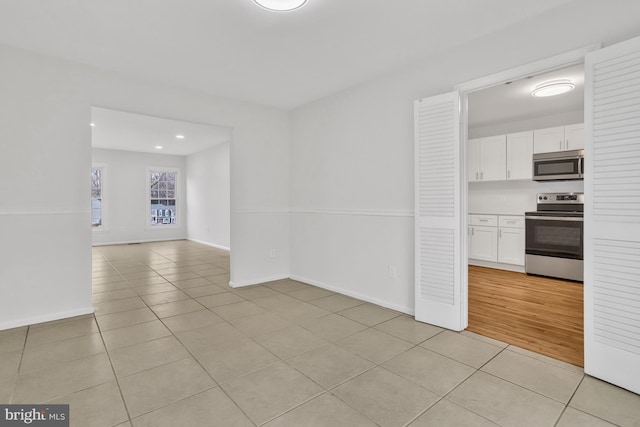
(45, 318)
(258, 281)
(357, 295)
(213, 245)
(497, 265)
(129, 242)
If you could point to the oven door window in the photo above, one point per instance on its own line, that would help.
(556, 238)
(556, 168)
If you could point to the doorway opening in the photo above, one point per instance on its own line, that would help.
(159, 179)
(541, 314)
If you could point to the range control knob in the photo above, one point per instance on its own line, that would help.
(545, 197)
(539, 197)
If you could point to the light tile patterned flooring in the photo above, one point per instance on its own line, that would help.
(171, 344)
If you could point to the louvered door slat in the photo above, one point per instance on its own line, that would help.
(612, 215)
(437, 203)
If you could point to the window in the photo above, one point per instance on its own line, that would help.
(163, 197)
(97, 174)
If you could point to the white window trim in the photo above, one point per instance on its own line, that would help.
(104, 226)
(179, 196)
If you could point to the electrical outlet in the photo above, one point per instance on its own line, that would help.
(393, 272)
(272, 253)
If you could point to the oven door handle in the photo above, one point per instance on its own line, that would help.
(555, 218)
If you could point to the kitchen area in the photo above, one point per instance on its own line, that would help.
(525, 169)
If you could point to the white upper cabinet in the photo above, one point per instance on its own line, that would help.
(548, 140)
(559, 138)
(574, 136)
(493, 158)
(487, 159)
(519, 154)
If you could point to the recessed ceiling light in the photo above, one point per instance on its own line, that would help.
(92, 125)
(180, 136)
(158, 147)
(552, 88)
(280, 5)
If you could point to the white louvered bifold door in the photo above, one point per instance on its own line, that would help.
(612, 215)
(438, 290)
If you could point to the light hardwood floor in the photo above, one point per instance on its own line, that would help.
(537, 313)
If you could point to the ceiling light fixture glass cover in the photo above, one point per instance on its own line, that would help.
(552, 88)
(280, 5)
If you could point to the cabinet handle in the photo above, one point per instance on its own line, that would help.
(561, 145)
(476, 176)
(566, 146)
(508, 174)
(500, 234)
(473, 231)
(481, 175)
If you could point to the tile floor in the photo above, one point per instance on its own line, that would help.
(171, 344)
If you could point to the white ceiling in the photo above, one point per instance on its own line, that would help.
(513, 102)
(233, 48)
(117, 130)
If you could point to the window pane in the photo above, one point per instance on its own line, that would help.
(162, 198)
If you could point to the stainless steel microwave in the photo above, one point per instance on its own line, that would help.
(558, 166)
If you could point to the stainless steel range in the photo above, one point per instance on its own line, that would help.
(554, 236)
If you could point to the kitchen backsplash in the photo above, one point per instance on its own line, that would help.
(513, 197)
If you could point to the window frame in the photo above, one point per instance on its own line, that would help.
(103, 199)
(177, 198)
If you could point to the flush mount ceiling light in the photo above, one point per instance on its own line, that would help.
(280, 5)
(158, 147)
(180, 136)
(552, 88)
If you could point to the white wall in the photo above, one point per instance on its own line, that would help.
(125, 210)
(353, 151)
(567, 118)
(208, 196)
(45, 246)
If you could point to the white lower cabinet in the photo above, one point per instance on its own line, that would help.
(511, 240)
(484, 243)
(483, 237)
(496, 238)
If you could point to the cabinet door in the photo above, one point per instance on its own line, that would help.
(511, 246)
(484, 243)
(519, 154)
(493, 158)
(548, 140)
(473, 160)
(574, 136)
